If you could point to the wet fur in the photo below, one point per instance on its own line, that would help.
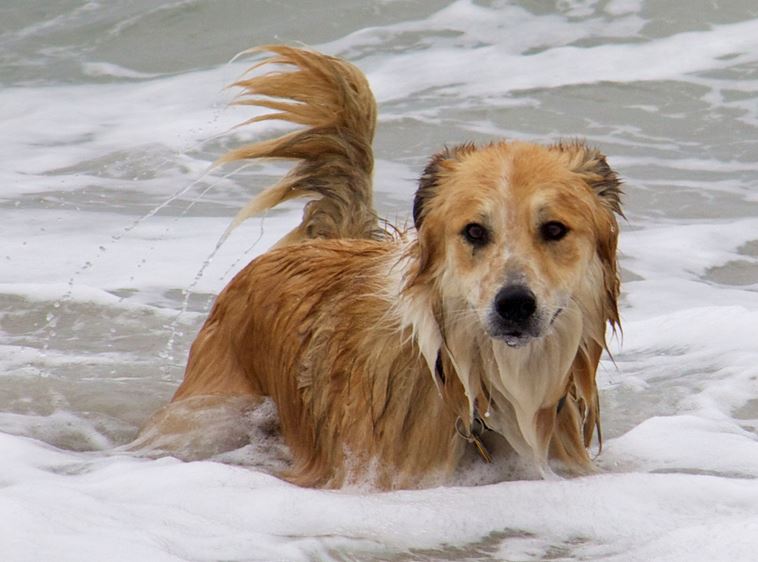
(372, 343)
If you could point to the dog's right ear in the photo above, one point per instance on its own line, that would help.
(432, 180)
(429, 183)
(427, 186)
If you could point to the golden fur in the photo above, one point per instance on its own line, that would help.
(380, 349)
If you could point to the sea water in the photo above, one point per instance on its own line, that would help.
(110, 116)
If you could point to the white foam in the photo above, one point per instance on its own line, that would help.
(503, 71)
(166, 510)
(113, 70)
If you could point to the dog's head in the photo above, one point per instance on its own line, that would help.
(514, 232)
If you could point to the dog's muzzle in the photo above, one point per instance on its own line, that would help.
(513, 318)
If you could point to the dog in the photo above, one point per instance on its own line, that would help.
(390, 353)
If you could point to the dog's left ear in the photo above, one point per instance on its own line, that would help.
(591, 164)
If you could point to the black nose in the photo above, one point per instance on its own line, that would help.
(515, 304)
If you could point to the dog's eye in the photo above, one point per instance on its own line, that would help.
(476, 234)
(553, 231)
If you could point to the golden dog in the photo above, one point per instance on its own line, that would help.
(388, 354)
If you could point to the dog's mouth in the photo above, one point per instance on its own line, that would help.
(520, 334)
(516, 339)
(514, 336)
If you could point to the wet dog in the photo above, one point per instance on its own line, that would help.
(389, 353)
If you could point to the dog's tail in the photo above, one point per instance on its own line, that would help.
(332, 99)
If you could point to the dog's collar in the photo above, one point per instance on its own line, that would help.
(474, 433)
